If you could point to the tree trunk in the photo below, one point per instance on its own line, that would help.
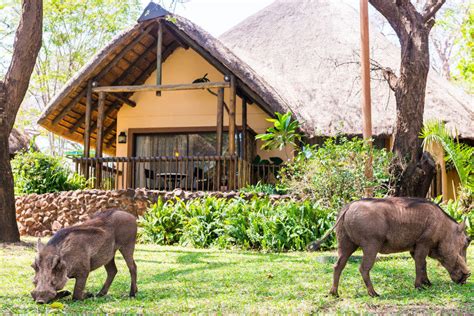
(12, 91)
(411, 170)
(408, 167)
(8, 227)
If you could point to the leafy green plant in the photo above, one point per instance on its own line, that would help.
(259, 223)
(35, 172)
(459, 154)
(333, 174)
(265, 188)
(284, 132)
(456, 210)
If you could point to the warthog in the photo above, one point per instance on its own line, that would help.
(395, 225)
(75, 251)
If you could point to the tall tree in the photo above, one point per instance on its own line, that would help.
(73, 32)
(12, 91)
(412, 169)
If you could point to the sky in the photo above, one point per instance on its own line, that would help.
(217, 16)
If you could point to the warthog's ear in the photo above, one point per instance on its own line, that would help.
(463, 225)
(39, 245)
(58, 264)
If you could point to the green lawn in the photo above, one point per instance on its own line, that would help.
(182, 280)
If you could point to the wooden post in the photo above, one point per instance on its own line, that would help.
(244, 129)
(159, 47)
(365, 79)
(220, 120)
(220, 127)
(87, 127)
(100, 136)
(232, 166)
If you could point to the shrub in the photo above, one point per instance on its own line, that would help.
(265, 188)
(35, 172)
(333, 174)
(259, 223)
(456, 210)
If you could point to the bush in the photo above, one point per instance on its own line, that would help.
(35, 172)
(333, 174)
(265, 188)
(456, 210)
(259, 223)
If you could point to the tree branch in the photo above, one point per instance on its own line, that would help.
(430, 9)
(25, 50)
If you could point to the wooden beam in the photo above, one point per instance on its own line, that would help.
(102, 73)
(99, 139)
(244, 129)
(220, 120)
(159, 60)
(220, 128)
(123, 99)
(100, 125)
(232, 107)
(366, 98)
(87, 127)
(142, 77)
(176, 36)
(166, 87)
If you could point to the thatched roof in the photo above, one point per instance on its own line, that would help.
(17, 142)
(133, 56)
(308, 51)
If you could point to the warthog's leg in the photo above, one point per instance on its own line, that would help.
(419, 255)
(345, 249)
(368, 260)
(111, 269)
(127, 253)
(79, 287)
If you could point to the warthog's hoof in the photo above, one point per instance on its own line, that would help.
(372, 293)
(333, 292)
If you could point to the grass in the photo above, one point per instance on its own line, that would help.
(181, 280)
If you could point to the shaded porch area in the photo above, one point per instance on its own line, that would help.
(190, 173)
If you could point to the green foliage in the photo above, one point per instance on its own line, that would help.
(459, 154)
(284, 132)
(333, 174)
(466, 51)
(456, 210)
(35, 172)
(259, 224)
(264, 188)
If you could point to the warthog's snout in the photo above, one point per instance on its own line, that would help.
(464, 278)
(43, 297)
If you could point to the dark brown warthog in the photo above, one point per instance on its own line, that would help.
(75, 251)
(396, 225)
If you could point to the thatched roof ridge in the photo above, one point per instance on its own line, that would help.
(308, 51)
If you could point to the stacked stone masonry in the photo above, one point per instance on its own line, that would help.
(43, 214)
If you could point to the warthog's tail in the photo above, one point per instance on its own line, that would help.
(315, 245)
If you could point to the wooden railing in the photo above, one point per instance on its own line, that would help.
(194, 173)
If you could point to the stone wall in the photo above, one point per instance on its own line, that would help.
(43, 214)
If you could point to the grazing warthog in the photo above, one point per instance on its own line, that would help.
(395, 225)
(75, 251)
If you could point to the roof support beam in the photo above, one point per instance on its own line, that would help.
(87, 127)
(167, 87)
(102, 74)
(159, 47)
(123, 99)
(142, 77)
